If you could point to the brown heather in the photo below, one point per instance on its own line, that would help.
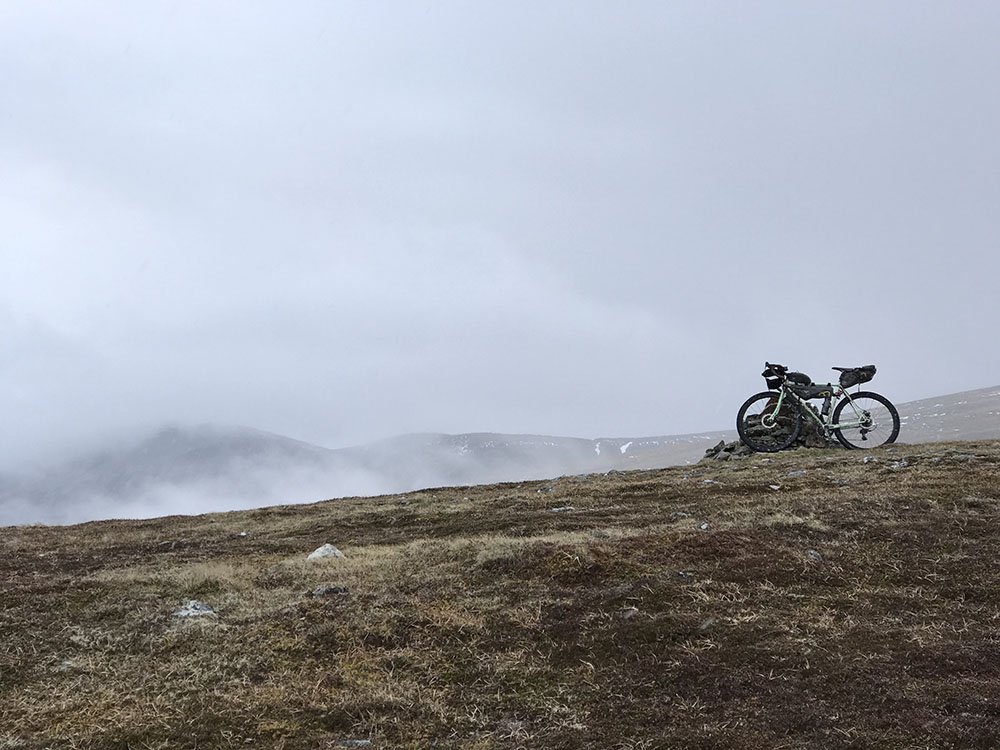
(856, 606)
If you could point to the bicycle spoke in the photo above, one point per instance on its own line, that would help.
(866, 422)
(765, 427)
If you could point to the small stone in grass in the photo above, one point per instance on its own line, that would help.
(327, 550)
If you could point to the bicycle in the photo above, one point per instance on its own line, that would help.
(771, 421)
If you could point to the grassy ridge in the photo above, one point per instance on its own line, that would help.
(808, 599)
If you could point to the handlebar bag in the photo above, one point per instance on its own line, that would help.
(775, 374)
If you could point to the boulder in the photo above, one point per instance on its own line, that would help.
(327, 550)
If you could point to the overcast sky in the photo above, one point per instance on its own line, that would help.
(342, 221)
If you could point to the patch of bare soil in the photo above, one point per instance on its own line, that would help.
(812, 599)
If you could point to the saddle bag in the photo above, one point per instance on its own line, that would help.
(857, 376)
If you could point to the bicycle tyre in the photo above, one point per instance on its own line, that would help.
(884, 414)
(768, 439)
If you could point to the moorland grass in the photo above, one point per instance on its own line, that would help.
(801, 600)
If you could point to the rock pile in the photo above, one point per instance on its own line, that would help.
(810, 436)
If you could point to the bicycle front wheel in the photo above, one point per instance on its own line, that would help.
(867, 420)
(766, 428)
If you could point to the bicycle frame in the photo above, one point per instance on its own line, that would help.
(772, 421)
(825, 418)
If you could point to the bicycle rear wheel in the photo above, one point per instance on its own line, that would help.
(867, 420)
(764, 427)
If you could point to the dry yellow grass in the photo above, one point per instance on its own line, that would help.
(856, 605)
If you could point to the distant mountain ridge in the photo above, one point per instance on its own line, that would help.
(207, 467)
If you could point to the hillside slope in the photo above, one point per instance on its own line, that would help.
(814, 599)
(969, 415)
(212, 468)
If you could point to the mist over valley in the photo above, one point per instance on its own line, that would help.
(209, 468)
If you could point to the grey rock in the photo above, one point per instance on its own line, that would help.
(327, 550)
(194, 608)
(715, 450)
(727, 451)
(814, 555)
